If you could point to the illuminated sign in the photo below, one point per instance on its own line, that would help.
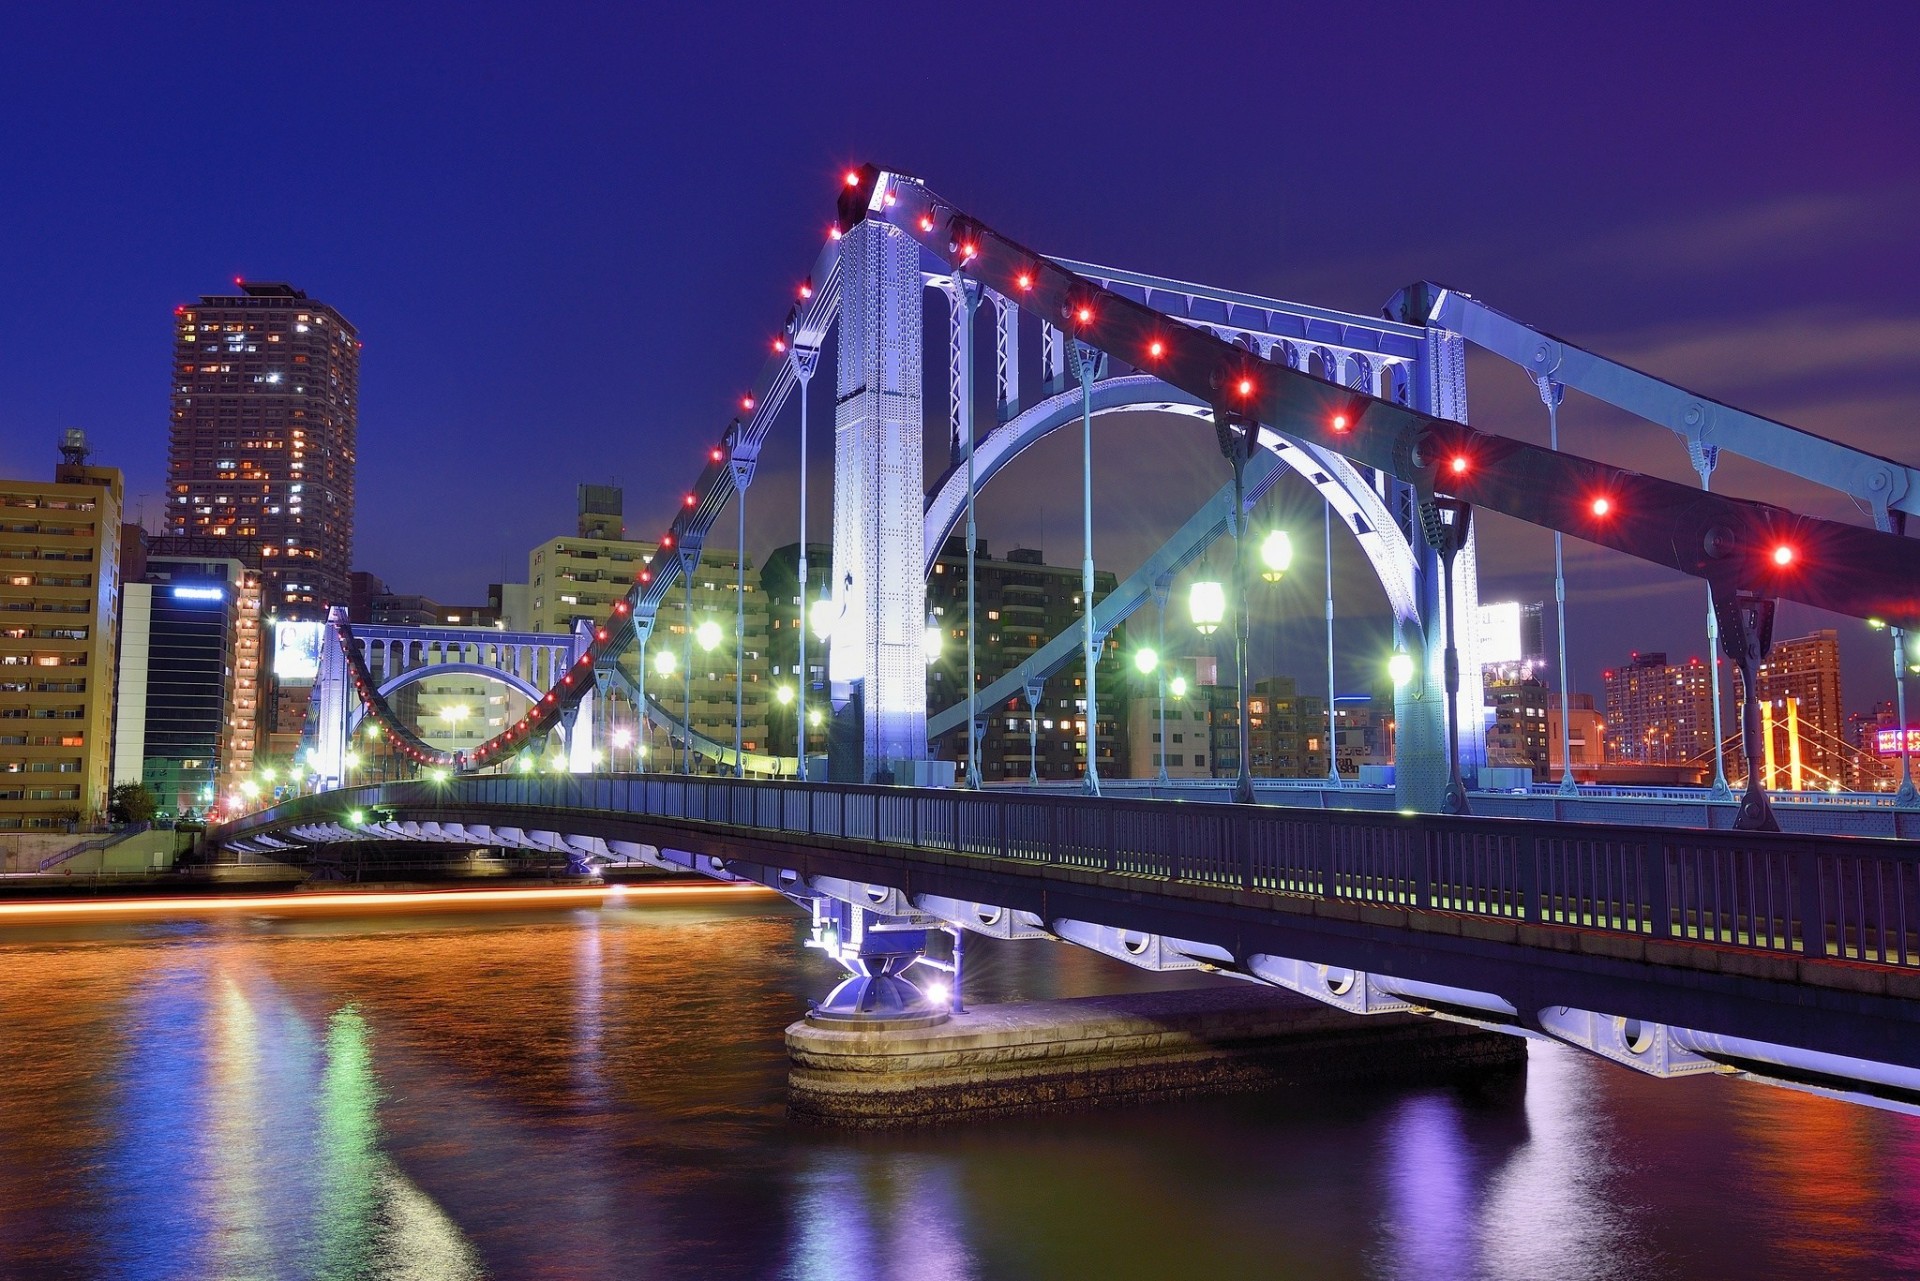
(1886, 742)
(198, 593)
(1496, 634)
(296, 650)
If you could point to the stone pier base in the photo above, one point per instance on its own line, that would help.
(1103, 1050)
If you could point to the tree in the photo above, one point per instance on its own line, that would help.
(131, 803)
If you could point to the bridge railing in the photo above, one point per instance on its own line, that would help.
(1834, 897)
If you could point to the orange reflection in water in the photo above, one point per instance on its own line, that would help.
(1822, 1157)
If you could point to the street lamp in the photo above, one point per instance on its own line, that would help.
(1400, 668)
(930, 640)
(1207, 603)
(785, 695)
(1177, 687)
(708, 634)
(1276, 554)
(665, 663)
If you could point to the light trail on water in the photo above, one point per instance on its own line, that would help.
(563, 897)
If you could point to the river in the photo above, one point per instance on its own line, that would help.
(600, 1092)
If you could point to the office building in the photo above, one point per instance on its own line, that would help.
(59, 602)
(260, 467)
(1184, 750)
(1518, 733)
(188, 687)
(1021, 603)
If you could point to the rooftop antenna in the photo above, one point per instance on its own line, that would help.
(74, 448)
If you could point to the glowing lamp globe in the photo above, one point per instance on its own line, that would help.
(930, 642)
(1207, 602)
(623, 738)
(784, 694)
(1276, 553)
(708, 634)
(822, 616)
(1400, 668)
(665, 662)
(1145, 660)
(1177, 687)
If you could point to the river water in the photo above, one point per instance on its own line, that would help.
(599, 1092)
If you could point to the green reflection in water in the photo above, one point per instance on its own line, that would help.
(370, 1218)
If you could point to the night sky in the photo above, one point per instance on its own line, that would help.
(565, 234)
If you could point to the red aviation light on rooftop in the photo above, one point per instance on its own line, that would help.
(1784, 554)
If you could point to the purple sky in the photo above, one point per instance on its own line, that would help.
(567, 238)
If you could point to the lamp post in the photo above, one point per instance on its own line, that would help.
(642, 631)
(1236, 435)
(803, 361)
(1147, 663)
(708, 634)
(1906, 795)
(1207, 605)
(822, 616)
(740, 464)
(1333, 699)
(1160, 588)
(665, 663)
(1086, 361)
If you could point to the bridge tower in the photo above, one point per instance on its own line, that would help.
(1439, 387)
(878, 533)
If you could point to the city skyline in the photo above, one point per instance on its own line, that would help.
(1704, 241)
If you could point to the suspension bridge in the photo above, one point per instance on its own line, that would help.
(1674, 933)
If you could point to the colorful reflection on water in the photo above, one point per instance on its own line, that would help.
(599, 1091)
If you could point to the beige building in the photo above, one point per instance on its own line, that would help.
(581, 576)
(59, 599)
(1185, 747)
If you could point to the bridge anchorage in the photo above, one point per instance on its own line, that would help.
(1371, 413)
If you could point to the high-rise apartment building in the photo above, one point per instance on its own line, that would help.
(266, 403)
(1801, 714)
(59, 602)
(1021, 603)
(1660, 713)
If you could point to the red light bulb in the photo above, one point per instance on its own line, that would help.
(1783, 555)
(1459, 464)
(779, 345)
(1602, 506)
(806, 289)
(1245, 386)
(853, 177)
(1083, 314)
(691, 501)
(746, 403)
(1156, 349)
(1340, 422)
(1024, 280)
(926, 222)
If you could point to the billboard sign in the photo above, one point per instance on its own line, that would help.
(296, 650)
(1496, 633)
(1886, 742)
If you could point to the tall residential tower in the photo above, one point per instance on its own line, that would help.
(260, 469)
